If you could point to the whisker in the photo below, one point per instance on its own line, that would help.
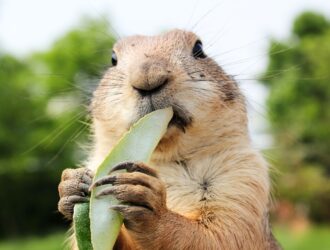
(205, 15)
(73, 137)
(58, 131)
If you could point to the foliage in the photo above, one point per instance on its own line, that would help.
(309, 24)
(298, 78)
(42, 113)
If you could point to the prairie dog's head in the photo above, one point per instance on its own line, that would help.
(171, 69)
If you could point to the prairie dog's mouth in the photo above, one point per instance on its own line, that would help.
(181, 117)
(180, 120)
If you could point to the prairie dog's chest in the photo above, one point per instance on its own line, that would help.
(188, 185)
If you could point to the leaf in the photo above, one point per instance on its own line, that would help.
(136, 145)
(82, 226)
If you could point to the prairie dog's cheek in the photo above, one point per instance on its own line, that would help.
(127, 110)
(119, 106)
(197, 97)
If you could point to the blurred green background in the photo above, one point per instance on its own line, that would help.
(44, 97)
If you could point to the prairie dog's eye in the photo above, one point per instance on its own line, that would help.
(198, 50)
(114, 59)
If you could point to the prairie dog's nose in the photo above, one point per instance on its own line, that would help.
(150, 77)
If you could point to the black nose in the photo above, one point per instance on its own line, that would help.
(151, 88)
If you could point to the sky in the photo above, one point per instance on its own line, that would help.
(235, 32)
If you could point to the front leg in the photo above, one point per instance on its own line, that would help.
(142, 193)
(73, 189)
(150, 224)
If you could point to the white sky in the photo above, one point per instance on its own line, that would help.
(237, 31)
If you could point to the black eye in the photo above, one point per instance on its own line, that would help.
(198, 50)
(114, 59)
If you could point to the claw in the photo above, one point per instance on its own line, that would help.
(106, 191)
(133, 215)
(66, 204)
(119, 208)
(134, 167)
(102, 181)
(84, 188)
(89, 173)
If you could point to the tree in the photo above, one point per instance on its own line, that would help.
(298, 78)
(42, 119)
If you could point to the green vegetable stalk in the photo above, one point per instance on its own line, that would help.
(136, 145)
(82, 226)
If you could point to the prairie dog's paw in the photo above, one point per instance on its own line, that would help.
(73, 189)
(142, 193)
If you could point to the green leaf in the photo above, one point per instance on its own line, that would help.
(136, 145)
(82, 226)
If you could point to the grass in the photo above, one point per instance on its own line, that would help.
(315, 238)
(50, 242)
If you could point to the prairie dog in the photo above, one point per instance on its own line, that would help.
(205, 187)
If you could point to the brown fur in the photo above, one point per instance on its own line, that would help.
(213, 187)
